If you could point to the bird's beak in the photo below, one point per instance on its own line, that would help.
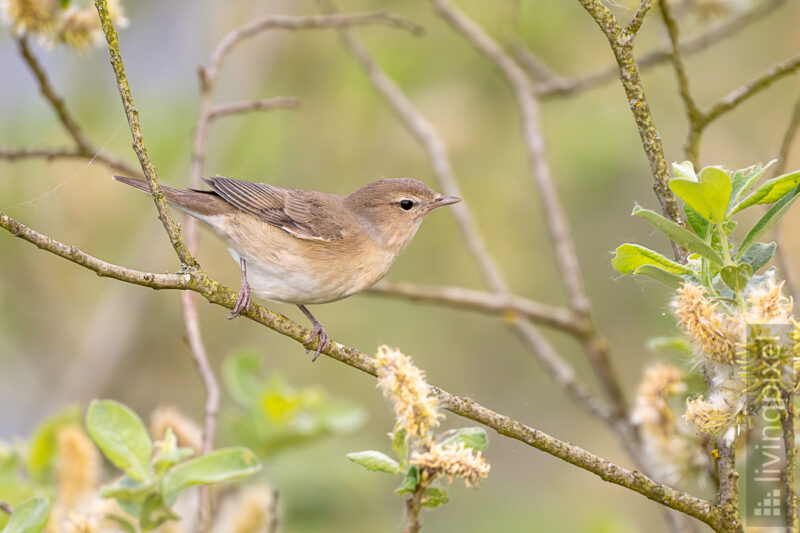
(445, 200)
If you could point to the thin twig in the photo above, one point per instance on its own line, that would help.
(677, 62)
(562, 86)
(85, 148)
(790, 466)
(737, 96)
(246, 106)
(555, 218)
(487, 302)
(620, 42)
(289, 22)
(197, 280)
(638, 17)
(780, 167)
(172, 229)
(6, 508)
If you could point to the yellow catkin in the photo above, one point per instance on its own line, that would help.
(712, 416)
(30, 16)
(714, 334)
(78, 466)
(651, 410)
(454, 461)
(414, 406)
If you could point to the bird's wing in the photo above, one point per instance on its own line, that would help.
(300, 213)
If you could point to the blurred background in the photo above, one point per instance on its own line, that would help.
(67, 336)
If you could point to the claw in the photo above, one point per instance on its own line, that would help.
(318, 331)
(244, 302)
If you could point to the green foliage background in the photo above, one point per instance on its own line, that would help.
(67, 336)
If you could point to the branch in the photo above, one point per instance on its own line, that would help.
(487, 302)
(675, 57)
(790, 467)
(246, 106)
(712, 35)
(197, 281)
(85, 148)
(780, 168)
(172, 229)
(99, 267)
(753, 87)
(6, 508)
(729, 485)
(638, 18)
(555, 217)
(289, 22)
(620, 42)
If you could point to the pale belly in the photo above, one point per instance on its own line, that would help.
(283, 268)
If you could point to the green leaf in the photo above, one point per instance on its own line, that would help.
(474, 438)
(736, 276)
(122, 437)
(127, 488)
(41, 451)
(684, 170)
(759, 254)
(410, 482)
(434, 497)
(29, 517)
(375, 461)
(773, 215)
(628, 258)
(678, 344)
(241, 374)
(155, 512)
(679, 234)
(225, 464)
(708, 195)
(745, 178)
(697, 222)
(770, 191)
(663, 276)
(400, 445)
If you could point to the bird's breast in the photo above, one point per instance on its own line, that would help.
(285, 268)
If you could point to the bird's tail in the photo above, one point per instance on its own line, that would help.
(196, 203)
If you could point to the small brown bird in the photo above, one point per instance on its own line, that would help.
(308, 247)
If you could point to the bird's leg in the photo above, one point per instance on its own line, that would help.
(318, 331)
(244, 301)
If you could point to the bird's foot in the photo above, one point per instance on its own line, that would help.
(243, 303)
(324, 339)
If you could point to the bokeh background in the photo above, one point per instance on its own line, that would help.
(67, 336)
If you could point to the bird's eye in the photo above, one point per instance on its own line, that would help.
(406, 204)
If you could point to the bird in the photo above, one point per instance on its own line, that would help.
(307, 247)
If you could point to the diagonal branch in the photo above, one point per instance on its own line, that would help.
(621, 46)
(172, 229)
(638, 17)
(555, 218)
(246, 106)
(84, 147)
(487, 302)
(561, 86)
(197, 281)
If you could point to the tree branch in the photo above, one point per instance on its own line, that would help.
(555, 218)
(246, 106)
(638, 17)
(562, 86)
(487, 302)
(790, 467)
(85, 148)
(196, 280)
(172, 229)
(621, 45)
(6, 508)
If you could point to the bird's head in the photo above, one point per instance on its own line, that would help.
(394, 208)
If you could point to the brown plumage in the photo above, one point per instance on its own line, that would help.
(307, 247)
